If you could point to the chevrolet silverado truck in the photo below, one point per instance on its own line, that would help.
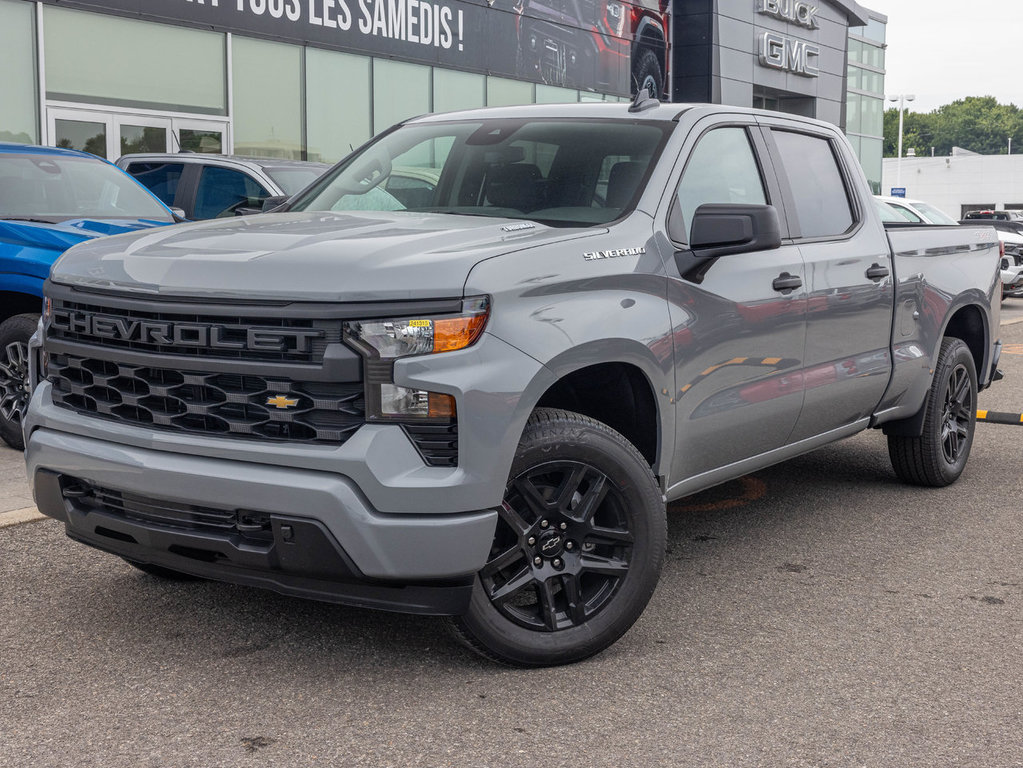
(478, 406)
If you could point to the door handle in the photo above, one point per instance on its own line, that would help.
(876, 272)
(786, 283)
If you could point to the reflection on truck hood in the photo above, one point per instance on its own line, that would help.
(305, 256)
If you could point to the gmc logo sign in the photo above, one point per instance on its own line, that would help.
(795, 56)
(182, 334)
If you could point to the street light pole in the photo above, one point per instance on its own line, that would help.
(902, 98)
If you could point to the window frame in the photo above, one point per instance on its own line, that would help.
(765, 167)
(792, 216)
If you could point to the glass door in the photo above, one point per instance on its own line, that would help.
(110, 134)
(203, 136)
(78, 129)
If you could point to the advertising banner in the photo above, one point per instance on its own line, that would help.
(584, 44)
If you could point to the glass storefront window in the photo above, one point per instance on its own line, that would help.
(552, 94)
(502, 92)
(337, 92)
(400, 91)
(457, 90)
(19, 106)
(871, 116)
(267, 98)
(108, 60)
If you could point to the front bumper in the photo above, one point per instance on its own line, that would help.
(1012, 281)
(322, 539)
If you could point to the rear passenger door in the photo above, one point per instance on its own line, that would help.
(850, 293)
(738, 321)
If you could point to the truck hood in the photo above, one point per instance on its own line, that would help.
(358, 256)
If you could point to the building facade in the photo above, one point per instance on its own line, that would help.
(312, 79)
(960, 183)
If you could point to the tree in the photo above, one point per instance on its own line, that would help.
(977, 123)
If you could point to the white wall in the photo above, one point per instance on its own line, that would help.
(951, 182)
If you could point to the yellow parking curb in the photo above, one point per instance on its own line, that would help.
(18, 516)
(994, 417)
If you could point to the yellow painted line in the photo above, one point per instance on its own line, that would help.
(982, 415)
(770, 361)
(1012, 349)
(19, 516)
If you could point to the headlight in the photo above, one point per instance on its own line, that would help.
(382, 342)
(614, 18)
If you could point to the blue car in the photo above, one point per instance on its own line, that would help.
(50, 200)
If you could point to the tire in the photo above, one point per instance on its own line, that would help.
(938, 456)
(160, 572)
(14, 335)
(578, 546)
(647, 73)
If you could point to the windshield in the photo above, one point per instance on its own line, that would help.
(559, 172)
(292, 180)
(934, 215)
(57, 187)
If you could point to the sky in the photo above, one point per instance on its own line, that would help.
(943, 50)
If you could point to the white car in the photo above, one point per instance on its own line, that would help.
(919, 212)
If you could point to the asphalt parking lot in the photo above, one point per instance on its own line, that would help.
(816, 614)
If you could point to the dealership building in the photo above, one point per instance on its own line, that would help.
(311, 79)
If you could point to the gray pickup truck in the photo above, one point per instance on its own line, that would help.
(463, 373)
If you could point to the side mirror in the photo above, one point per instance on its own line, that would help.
(276, 201)
(178, 214)
(720, 229)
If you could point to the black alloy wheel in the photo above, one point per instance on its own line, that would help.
(562, 547)
(957, 415)
(14, 384)
(938, 456)
(578, 546)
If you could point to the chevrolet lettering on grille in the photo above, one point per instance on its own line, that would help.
(183, 334)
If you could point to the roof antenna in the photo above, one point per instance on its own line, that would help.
(643, 101)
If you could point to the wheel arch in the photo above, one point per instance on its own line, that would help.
(18, 303)
(619, 390)
(970, 324)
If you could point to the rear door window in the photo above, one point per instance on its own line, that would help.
(818, 187)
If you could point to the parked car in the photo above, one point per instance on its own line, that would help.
(1012, 263)
(478, 405)
(215, 186)
(917, 211)
(50, 200)
(1013, 216)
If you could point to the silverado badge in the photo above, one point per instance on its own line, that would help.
(282, 402)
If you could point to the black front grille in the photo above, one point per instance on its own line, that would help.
(169, 514)
(224, 404)
(232, 331)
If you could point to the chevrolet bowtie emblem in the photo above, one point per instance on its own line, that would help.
(282, 402)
